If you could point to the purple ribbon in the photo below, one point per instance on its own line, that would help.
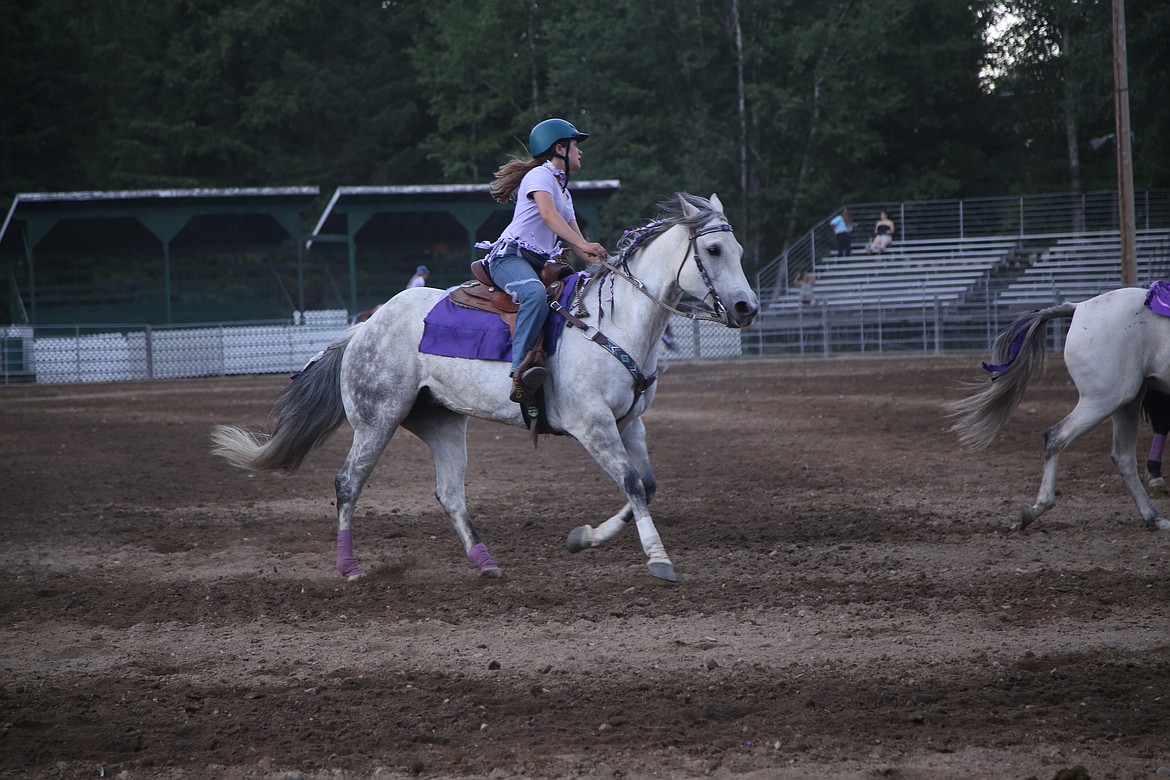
(1158, 298)
(1013, 351)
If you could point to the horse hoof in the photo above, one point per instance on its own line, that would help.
(1159, 524)
(1026, 519)
(1157, 482)
(663, 571)
(354, 576)
(491, 571)
(580, 538)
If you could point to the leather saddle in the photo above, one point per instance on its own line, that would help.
(482, 294)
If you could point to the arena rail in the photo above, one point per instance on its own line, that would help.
(135, 352)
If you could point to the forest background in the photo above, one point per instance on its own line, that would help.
(787, 108)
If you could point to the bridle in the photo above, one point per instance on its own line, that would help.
(621, 269)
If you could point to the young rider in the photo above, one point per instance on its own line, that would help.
(543, 217)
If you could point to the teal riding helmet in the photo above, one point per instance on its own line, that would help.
(546, 134)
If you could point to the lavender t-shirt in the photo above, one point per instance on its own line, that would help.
(527, 228)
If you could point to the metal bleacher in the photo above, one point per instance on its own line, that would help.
(956, 274)
(909, 274)
(1078, 267)
(991, 253)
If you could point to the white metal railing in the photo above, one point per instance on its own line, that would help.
(119, 353)
(930, 325)
(115, 353)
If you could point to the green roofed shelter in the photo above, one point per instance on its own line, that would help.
(96, 257)
(386, 232)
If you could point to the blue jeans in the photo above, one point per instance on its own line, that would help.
(516, 276)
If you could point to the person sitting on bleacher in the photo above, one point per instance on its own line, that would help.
(806, 282)
(883, 234)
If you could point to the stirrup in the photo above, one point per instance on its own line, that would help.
(527, 383)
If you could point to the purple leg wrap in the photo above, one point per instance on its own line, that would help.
(480, 556)
(346, 563)
(1157, 446)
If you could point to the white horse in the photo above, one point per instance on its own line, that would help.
(1115, 348)
(376, 378)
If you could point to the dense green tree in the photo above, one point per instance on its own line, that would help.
(655, 81)
(855, 101)
(787, 109)
(1051, 81)
(481, 73)
(47, 111)
(244, 92)
(1052, 84)
(1148, 28)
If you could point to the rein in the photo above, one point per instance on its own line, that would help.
(621, 269)
(642, 383)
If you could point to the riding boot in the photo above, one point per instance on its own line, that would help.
(530, 375)
(525, 383)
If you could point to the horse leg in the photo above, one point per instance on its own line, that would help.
(445, 433)
(1125, 428)
(602, 440)
(634, 439)
(1084, 416)
(368, 443)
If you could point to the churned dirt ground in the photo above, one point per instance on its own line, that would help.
(852, 603)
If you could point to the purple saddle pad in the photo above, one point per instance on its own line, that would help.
(1158, 298)
(454, 331)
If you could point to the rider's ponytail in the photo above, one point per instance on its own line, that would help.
(508, 177)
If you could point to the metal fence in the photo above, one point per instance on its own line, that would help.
(931, 328)
(116, 353)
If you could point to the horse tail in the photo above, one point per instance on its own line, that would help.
(305, 413)
(1020, 353)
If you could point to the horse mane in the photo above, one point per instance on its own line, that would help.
(674, 212)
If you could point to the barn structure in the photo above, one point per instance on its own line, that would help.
(372, 238)
(175, 256)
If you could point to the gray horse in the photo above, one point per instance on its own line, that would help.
(1116, 348)
(376, 378)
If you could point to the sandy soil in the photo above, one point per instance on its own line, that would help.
(852, 603)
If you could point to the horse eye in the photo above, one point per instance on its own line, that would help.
(714, 250)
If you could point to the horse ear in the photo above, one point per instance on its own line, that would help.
(688, 210)
(716, 203)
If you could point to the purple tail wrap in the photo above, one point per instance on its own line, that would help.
(1013, 351)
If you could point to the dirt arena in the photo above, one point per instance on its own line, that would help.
(852, 602)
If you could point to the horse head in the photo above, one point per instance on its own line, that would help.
(713, 270)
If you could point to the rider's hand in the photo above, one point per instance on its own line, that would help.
(590, 252)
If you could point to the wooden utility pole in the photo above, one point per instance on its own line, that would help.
(1124, 154)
